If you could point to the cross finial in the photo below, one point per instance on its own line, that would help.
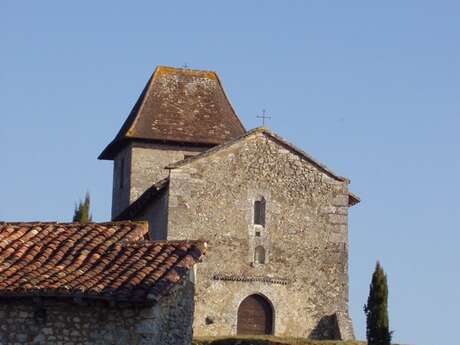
(263, 117)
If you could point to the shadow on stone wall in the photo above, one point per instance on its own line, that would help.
(326, 329)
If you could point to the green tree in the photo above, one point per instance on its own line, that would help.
(376, 309)
(82, 211)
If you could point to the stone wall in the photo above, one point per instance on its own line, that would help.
(156, 214)
(121, 181)
(305, 276)
(144, 165)
(57, 323)
(149, 162)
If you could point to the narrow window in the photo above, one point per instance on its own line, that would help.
(122, 172)
(259, 212)
(259, 255)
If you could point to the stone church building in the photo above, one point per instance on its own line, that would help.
(276, 219)
(189, 182)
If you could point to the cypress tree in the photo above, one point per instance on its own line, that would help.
(82, 211)
(376, 310)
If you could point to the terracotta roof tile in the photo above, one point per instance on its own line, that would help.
(179, 106)
(110, 261)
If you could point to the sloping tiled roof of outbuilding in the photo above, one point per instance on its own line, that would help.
(102, 261)
(179, 106)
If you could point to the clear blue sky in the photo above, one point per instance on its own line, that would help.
(370, 88)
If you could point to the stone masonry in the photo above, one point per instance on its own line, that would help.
(275, 219)
(93, 323)
(305, 237)
(143, 164)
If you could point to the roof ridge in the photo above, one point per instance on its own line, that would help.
(185, 70)
(139, 222)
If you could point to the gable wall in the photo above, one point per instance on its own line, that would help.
(149, 162)
(305, 235)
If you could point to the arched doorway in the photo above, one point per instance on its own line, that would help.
(255, 316)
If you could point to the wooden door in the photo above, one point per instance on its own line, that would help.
(255, 316)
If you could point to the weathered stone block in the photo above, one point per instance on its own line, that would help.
(341, 200)
(338, 219)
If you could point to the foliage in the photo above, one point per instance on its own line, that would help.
(82, 211)
(376, 310)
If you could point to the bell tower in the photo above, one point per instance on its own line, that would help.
(180, 113)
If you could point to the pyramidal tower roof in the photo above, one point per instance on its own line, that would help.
(181, 106)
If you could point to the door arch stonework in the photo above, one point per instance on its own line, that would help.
(255, 316)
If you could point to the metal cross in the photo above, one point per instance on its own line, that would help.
(263, 117)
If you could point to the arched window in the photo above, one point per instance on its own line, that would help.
(259, 212)
(259, 255)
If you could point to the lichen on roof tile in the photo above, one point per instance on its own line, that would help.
(180, 105)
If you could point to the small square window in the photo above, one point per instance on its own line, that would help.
(258, 233)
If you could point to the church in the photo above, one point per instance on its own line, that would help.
(276, 219)
(216, 231)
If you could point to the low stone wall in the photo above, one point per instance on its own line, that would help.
(57, 323)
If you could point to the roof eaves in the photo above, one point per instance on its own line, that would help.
(353, 199)
(179, 273)
(117, 145)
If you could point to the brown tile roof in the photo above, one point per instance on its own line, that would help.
(106, 261)
(179, 106)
